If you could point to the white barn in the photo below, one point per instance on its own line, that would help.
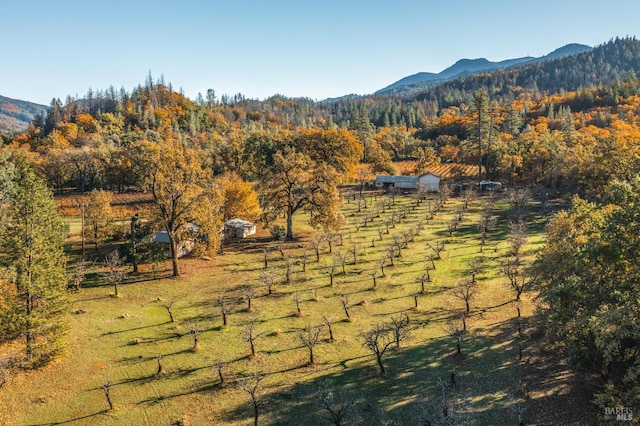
(429, 182)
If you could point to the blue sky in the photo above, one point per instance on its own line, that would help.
(316, 49)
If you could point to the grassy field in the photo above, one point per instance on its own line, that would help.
(118, 340)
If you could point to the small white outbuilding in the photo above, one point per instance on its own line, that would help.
(239, 228)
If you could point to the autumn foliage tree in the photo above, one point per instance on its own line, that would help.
(184, 195)
(296, 182)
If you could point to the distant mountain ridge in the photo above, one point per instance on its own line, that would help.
(464, 67)
(15, 114)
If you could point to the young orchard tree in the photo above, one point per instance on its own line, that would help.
(268, 279)
(487, 222)
(519, 277)
(517, 238)
(342, 260)
(399, 328)
(250, 335)
(378, 339)
(249, 293)
(327, 322)
(115, 272)
(194, 330)
(297, 299)
(335, 401)
(251, 386)
(225, 309)
(330, 268)
(437, 248)
(78, 274)
(466, 291)
(374, 274)
(455, 329)
(344, 301)
(219, 367)
(316, 244)
(309, 338)
(169, 308)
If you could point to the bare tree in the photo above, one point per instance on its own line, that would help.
(115, 273)
(225, 309)
(455, 330)
(169, 308)
(106, 390)
(378, 339)
(297, 299)
(423, 279)
(335, 402)
(437, 247)
(250, 335)
(344, 301)
(354, 252)
(342, 259)
(288, 269)
(383, 261)
(327, 322)
(520, 278)
(374, 274)
(194, 330)
(309, 338)
(487, 222)
(251, 385)
(219, 366)
(249, 292)
(78, 274)
(517, 238)
(330, 268)
(316, 243)
(268, 278)
(328, 238)
(399, 328)
(398, 243)
(518, 199)
(476, 266)
(466, 291)
(265, 253)
(391, 253)
(468, 195)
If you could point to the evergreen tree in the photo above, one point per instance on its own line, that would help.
(31, 253)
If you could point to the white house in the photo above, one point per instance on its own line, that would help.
(429, 182)
(239, 228)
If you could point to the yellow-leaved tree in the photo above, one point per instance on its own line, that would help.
(240, 199)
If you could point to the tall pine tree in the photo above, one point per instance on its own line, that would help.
(31, 253)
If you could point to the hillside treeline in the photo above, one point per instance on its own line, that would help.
(572, 142)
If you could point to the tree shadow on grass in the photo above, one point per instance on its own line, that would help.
(75, 419)
(488, 372)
